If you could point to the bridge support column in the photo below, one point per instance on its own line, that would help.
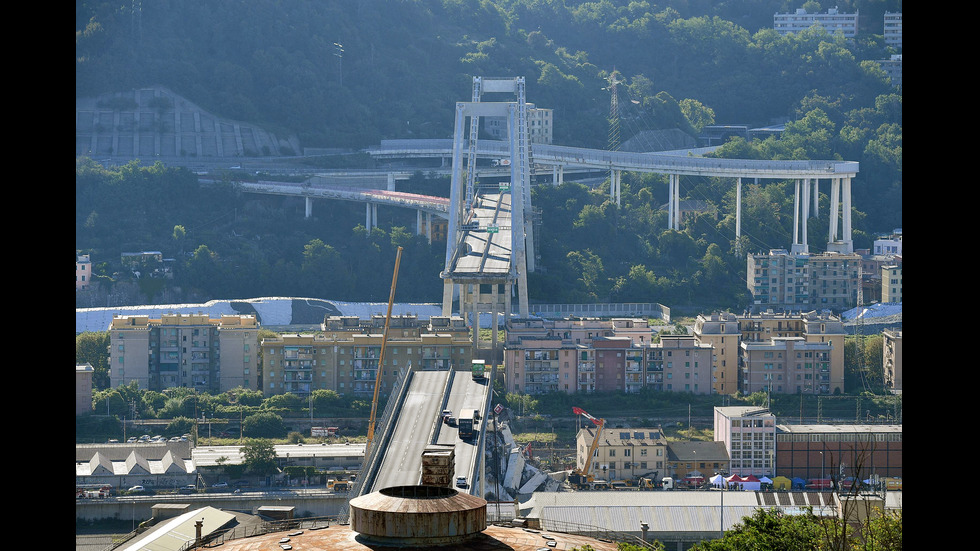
(309, 207)
(447, 297)
(816, 197)
(391, 181)
(800, 204)
(615, 185)
(557, 175)
(370, 216)
(840, 206)
(806, 212)
(834, 209)
(840, 200)
(738, 215)
(493, 329)
(847, 213)
(674, 202)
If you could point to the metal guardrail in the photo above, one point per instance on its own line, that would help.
(595, 532)
(371, 456)
(651, 309)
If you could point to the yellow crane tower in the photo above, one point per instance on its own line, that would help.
(381, 359)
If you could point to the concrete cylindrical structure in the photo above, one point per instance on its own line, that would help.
(417, 516)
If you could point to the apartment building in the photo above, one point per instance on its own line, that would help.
(833, 21)
(725, 354)
(893, 29)
(721, 332)
(550, 355)
(892, 359)
(539, 125)
(184, 350)
(346, 355)
(536, 367)
(893, 68)
(749, 436)
(834, 281)
(891, 283)
(871, 274)
(889, 244)
(750, 351)
(83, 271)
(623, 453)
(786, 365)
(686, 363)
(780, 280)
(83, 388)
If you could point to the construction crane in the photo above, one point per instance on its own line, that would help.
(381, 358)
(582, 477)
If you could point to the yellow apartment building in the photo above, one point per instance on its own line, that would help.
(345, 356)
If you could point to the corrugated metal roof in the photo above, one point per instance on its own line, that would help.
(172, 535)
(628, 519)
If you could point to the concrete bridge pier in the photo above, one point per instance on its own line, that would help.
(616, 185)
(738, 215)
(557, 174)
(673, 201)
(840, 202)
(370, 216)
(309, 207)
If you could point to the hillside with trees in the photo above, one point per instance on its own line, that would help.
(347, 75)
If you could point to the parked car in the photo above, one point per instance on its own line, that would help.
(137, 489)
(220, 485)
(189, 489)
(461, 482)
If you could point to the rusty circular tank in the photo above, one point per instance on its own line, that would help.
(418, 516)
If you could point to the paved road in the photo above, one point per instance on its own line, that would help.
(417, 418)
(465, 394)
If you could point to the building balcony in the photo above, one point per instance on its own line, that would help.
(529, 379)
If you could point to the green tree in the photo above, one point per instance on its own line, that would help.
(179, 235)
(93, 348)
(179, 426)
(523, 404)
(287, 401)
(769, 530)
(697, 114)
(260, 457)
(263, 425)
(245, 396)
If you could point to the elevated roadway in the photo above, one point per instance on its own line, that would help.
(417, 422)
